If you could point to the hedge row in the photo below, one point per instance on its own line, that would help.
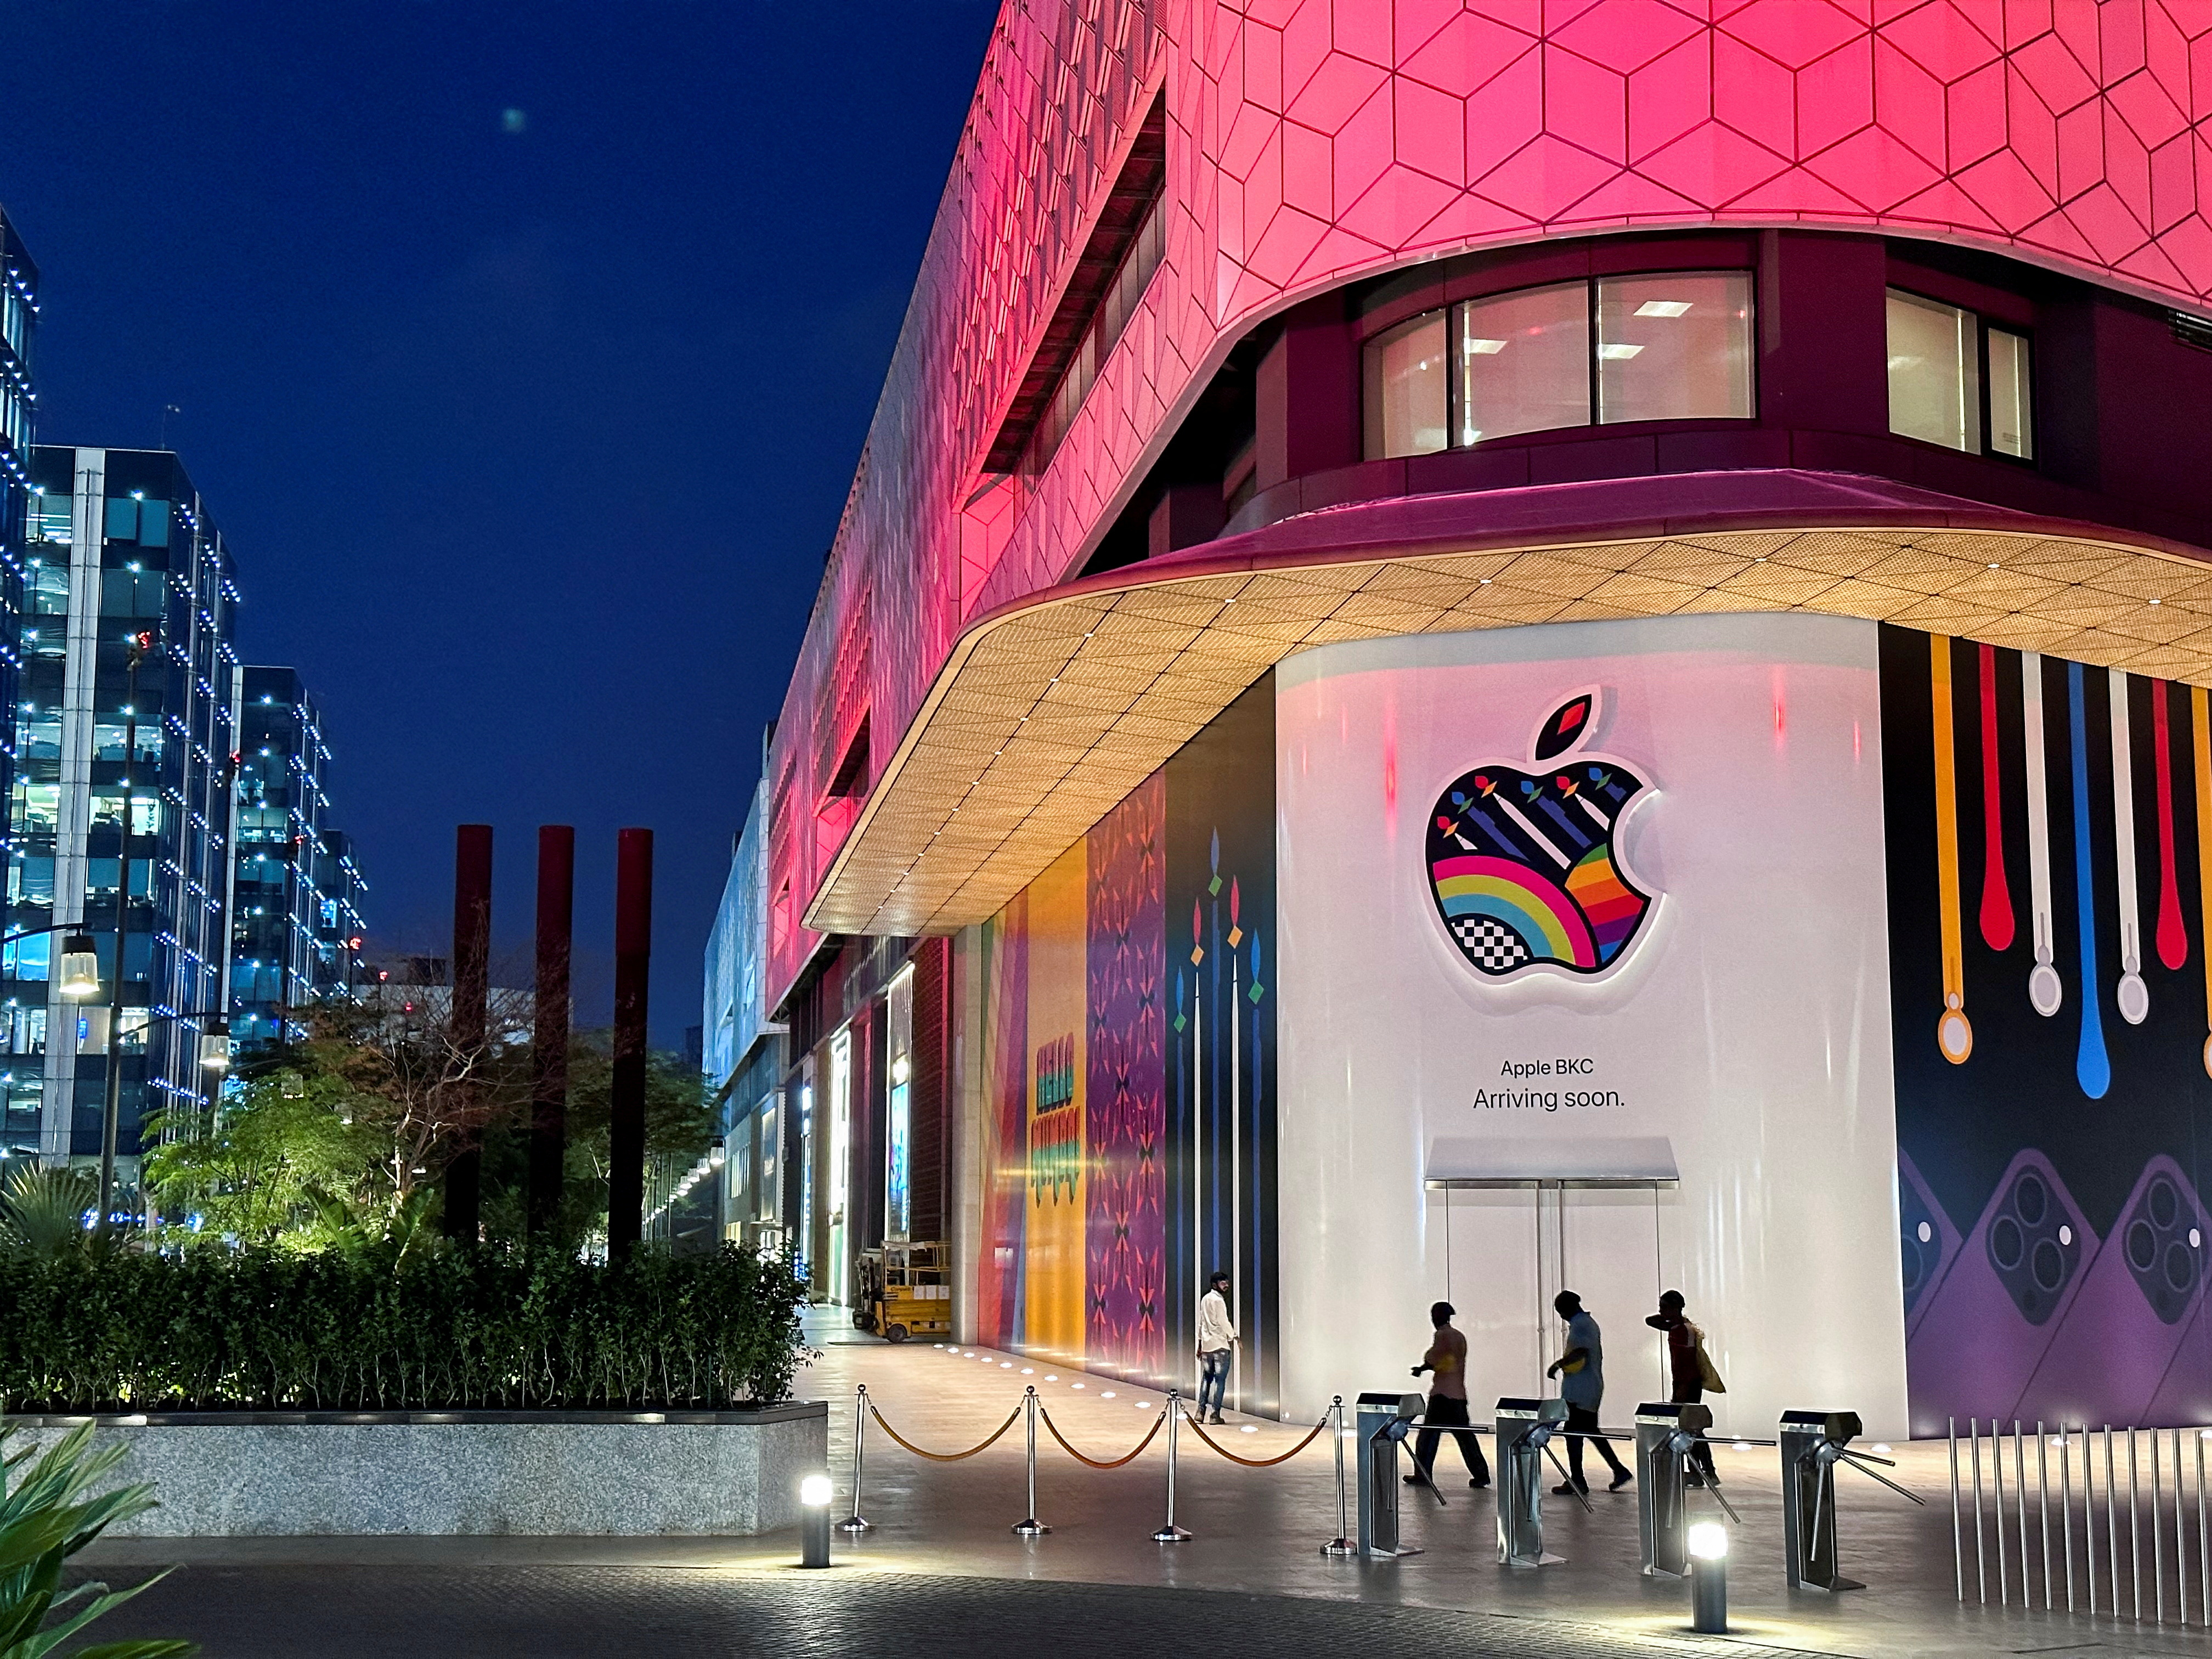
(210, 1330)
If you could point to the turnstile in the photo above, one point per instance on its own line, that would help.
(1525, 1430)
(1665, 1436)
(1382, 1422)
(1812, 1444)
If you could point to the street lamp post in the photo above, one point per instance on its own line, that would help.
(112, 1106)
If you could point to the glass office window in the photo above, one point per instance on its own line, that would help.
(1524, 362)
(2012, 411)
(1408, 397)
(1935, 372)
(1675, 348)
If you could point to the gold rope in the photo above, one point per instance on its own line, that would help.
(1255, 1462)
(1093, 1461)
(943, 1457)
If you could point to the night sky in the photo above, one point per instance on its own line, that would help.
(524, 354)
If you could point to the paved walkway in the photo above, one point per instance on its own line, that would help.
(941, 1571)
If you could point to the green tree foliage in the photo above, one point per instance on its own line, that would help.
(48, 1515)
(377, 1329)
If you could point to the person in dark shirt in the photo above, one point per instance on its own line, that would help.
(1581, 1371)
(1447, 1360)
(1688, 1376)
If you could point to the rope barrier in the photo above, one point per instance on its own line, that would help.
(949, 1457)
(1257, 1462)
(1094, 1462)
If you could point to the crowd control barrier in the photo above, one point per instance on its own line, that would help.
(1813, 1443)
(2131, 1531)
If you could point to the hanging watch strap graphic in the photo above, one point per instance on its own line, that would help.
(2092, 1067)
(2201, 731)
(1953, 1035)
(2133, 995)
(1996, 893)
(2046, 990)
(2173, 935)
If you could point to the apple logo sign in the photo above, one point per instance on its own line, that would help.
(1521, 860)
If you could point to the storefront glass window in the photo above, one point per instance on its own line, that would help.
(1406, 395)
(1524, 362)
(2012, 419)
(1675, 348)
(1935, 372)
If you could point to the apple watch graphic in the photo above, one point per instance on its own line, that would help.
(2046, 990)
(2173, 935)
(2133, 996)
(2200, 720)
(1996, 893)
(2092, 1067)
(1954, 1035)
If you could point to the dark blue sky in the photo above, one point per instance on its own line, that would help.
(529, 442)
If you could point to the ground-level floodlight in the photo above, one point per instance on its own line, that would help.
(1709, 1548)
(80, 967)
(814, 1494)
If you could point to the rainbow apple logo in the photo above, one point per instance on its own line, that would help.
(1522, 862)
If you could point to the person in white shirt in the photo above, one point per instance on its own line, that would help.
(1217, 1335)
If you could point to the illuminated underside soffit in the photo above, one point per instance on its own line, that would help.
(1045, 719)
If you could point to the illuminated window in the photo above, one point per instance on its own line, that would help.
(1959, 381)
(1663, 348)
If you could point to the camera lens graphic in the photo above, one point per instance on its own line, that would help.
(2180, 1266)
(2048, 1265)
(2164, 1202)
(2006, 1244)
(2031, 1198)
(2143, 1247)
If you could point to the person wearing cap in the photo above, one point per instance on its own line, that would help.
(1581, 1371)
(1217, 1338)
(1446, 1360)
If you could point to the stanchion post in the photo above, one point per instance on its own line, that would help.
(855, 1521)
(1029, 1526)
(1169, 1533)
(1338, 1545)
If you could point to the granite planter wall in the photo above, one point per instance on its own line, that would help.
(269, 1473)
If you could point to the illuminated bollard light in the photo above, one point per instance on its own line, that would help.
(814, 1495)
(1708, 1548)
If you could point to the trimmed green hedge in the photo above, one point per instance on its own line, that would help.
(210, 1330)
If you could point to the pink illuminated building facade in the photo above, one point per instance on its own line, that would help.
(1470, 610)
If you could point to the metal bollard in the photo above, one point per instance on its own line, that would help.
(2066, 1509)
(2020, 1507)
(1340, 1544)
(1997, 1491)
(2043, 1506)
(1957, 1534)
(855, 1521)
(1709, 1542)
(2203, 1541)
(2134, 1531)
(2089, 1516)
(1169, 1533)
(814, 1496)
(2111, 1531)
(1981, 1565)
(2181, 1536)
(1029, 1526)
(2157, 1538)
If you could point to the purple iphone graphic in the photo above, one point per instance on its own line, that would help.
(2138, 1299)
(1927, 1241)
(1984, 1325)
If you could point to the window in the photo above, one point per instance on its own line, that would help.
(1406, 395)
(1958, 381)
(1675, 348)
(1660, 348)
(1524, 363)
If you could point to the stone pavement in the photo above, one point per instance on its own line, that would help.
(941, 1571)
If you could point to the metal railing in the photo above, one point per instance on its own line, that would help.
(2162, 1571)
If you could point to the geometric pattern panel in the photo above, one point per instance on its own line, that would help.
(1312, 141)
(1051, 714)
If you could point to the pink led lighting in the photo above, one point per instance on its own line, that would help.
(1311, 141)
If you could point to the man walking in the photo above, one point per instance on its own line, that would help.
(1217, 1336)
(1688, 1366)
(1581, 1371)
(1447, 1360)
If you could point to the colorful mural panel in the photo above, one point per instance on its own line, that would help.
(2054, 1108)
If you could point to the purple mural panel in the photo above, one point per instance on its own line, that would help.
(998, 1302)
(1125, 1089)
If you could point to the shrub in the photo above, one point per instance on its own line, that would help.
(374, 1330)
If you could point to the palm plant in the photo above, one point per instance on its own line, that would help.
(42, 1211)
(46, 1517)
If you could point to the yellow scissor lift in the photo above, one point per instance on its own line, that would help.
(906, 1290)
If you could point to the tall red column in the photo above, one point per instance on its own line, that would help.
(633, 960)
(548, 1049)
(465, 1024)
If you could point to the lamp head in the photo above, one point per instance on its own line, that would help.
(80, 967)
(1709, 1541)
